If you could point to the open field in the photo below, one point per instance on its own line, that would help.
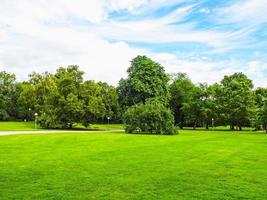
(191, 165)
(29, 126)
(17, 126)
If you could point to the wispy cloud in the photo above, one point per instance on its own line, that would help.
(38, 35)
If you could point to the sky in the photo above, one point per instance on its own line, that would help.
(206, 39)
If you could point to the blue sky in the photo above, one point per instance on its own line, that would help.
(205, 38)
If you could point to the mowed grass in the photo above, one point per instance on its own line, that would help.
(30, 126)
(17, 126)
(191, 165)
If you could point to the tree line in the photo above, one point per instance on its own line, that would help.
(148, 100)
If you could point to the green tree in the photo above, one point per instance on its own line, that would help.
(110, 99)
(146, 79)
(235, 100)
(260, 117)
(181, 89)
(93, 106)
(152, 118)
(209, 113)
(7, 94)
(194, 107)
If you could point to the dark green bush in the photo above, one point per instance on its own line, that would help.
(152, 118)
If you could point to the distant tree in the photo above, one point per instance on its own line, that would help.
(109, 97)
(7, 93)
(235, 100)
(146, 79)
(181, 89)
(194, 107)
(263, 115)
(93, 104)
(260, 117)
(209, 112)
(151, 117)
(27, 100)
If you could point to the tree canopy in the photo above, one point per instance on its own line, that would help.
(64, 99)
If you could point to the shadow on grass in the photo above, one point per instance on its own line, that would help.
(152, 134)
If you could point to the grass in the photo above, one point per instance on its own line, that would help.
(192, 165)
(29, 126)
(17, 126)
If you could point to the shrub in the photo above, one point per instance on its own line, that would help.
(152, 118)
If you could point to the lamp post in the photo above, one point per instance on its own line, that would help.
(35, 122)
(29, 114)
(212, 120)
(108, 119)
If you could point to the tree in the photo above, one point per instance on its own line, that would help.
(94, 106)
(146, 79)
(235, 101)
(109, 97)
(152, 118)
(27, 100)
(194, 108)
(69, 105)
(260, 117)
(7, 93)
(208, 104)
(181, 89)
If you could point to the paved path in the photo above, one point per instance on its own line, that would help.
(53, 131)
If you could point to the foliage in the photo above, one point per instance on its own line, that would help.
(181, 89)
(7, 95)
(235, 100)
(260, 117)
(64, 99)
(146, 79)
(149, 118)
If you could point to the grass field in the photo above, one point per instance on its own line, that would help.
(17, 126)
(29, 126)
(191, 165)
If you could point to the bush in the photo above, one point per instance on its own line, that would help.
(152, 118)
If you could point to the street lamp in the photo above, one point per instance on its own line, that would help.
(35, 122)
(212, 119)
(29, 114)
(108, 119)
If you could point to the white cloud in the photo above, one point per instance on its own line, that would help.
(42, 35)
(204, 10)
(247, 12)
(201, 70)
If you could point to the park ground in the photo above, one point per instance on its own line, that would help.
(192, 165)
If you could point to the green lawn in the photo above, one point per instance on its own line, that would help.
(17, 126)
(192, 165)
(29, 126)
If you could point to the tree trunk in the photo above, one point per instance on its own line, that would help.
(240, 128)
(195, 125)
(207, 125)
(232, 127)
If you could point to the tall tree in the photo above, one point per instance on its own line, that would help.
(194, 107)
(7, 92)
(235, 100)
(110, 100)
(260, 117)
(181, 89)
(93, 106)
(146, 79)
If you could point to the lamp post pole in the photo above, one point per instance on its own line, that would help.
(29, 114)
(35, 122)
(108, 119)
